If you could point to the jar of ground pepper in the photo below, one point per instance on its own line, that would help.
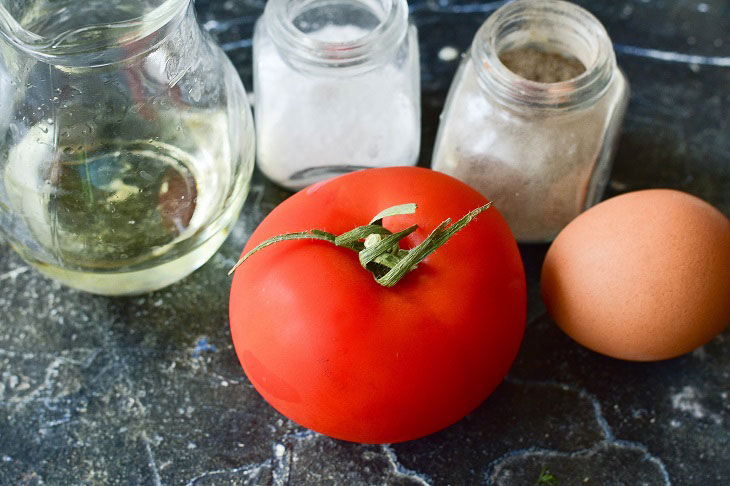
(533, 115)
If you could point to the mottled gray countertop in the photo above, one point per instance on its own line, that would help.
(148, 390)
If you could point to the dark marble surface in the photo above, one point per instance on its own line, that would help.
(147, 390)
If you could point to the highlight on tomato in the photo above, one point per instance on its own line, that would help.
(379, 306)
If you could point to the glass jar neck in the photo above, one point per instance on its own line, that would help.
(552, 26)
(343, 34)
(93, 42)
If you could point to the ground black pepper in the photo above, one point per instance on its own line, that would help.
(541, 66)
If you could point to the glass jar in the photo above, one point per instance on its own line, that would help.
(541, 151)
(337, 88)
(126, 141)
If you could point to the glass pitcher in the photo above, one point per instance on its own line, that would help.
(126, 141)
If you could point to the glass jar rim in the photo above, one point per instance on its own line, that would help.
(517, 91)
(302, 48)
(127, 31)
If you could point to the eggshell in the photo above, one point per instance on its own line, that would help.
(642, 276)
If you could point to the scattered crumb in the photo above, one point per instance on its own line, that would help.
(448, 53)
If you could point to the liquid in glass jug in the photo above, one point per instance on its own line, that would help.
(126, 141)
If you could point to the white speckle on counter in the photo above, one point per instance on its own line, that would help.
(703, 7)
(700, 353)
(448, 53)
(279, 451)
(238, 44)
(688, 401)
(12, 274)
(210, 25)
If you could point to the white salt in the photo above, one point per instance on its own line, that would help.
(312, 125)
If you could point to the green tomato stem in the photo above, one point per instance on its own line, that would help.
(382, 254)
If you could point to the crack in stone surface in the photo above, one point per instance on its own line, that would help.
(242, 475)
(600, 419)
(400, 469)
(620, 464)
(351, 463)
(514, 466)
(151, 461)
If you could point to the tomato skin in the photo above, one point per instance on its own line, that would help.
(336, 352)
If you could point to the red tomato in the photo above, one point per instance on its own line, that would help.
(336, 352)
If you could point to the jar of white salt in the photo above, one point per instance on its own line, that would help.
(337, 88)
(533, 115)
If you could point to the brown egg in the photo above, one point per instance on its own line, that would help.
(642, 276)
